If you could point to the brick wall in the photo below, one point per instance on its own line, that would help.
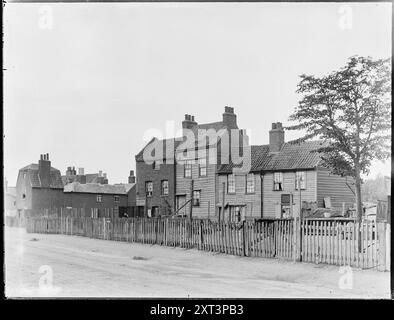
(144, 173)
(89, 201)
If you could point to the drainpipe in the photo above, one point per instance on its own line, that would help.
(262, 193)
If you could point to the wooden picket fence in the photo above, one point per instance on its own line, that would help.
(316, 241)
(268, 238)
(342, 243)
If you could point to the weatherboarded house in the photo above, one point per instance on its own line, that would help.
(197, 174)
(280, 172)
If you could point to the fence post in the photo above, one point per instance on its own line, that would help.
(296, 240)
(156, 228)
(201, 235)
(104, 228)
(244, 236)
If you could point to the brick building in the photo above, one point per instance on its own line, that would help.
(38, 186)
(97, 200)
(196, 174)
(72, 176)
(164, 182)
(155, 188)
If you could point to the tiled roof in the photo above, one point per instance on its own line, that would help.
(292, 156)
(127, 186)
(32, 171)
(95, 188)
(295, 156)
(259, 156)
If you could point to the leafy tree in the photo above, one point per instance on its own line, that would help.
(351, 110)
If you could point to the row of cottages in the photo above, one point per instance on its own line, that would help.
(40, 186)
(280, 175)
(206, 185)
(182, 178)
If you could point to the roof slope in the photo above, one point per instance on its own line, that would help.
(160, 143)
(295, 156)
(292, 156)
(95, 188)
(259, 156)
(32, 171)
(186, 144)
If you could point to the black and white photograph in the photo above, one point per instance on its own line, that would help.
(197, 150)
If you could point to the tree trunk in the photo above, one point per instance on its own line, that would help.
(359, 207)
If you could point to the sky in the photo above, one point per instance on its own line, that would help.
(87, 82)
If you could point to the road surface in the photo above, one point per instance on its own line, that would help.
(42, 265)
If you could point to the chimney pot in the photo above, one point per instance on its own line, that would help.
(44, 171)
(276, 137)
(230, 118)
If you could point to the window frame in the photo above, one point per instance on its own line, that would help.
(232, 185)
(196, 198)
(99, 198)
(162, 188)
(202, 167)
(188, 165)
(303, 183)
(246, 183)
(146, 189)
(117, 199)
(277, 183)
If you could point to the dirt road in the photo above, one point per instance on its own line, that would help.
(68, 266)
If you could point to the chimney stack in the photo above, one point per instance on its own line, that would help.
(100, 174)
(277, 137)
(131, 177)
(81, 171)
(230, 118)
(189, 123)
(44, 170)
